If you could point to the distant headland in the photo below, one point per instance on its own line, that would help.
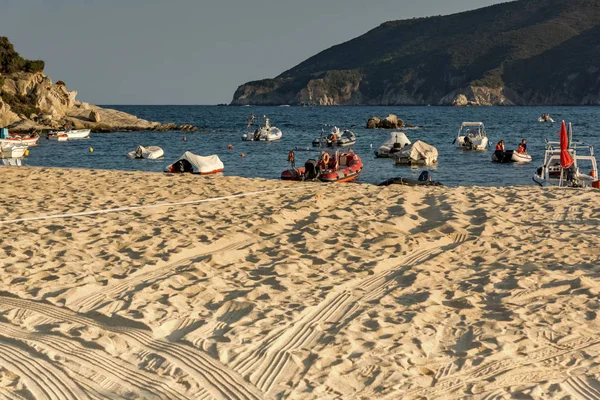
(526, 52)
(29, 100)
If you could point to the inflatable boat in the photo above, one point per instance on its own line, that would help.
(331, 166)
(336, 138)
(424, 180)
(266, 133)
(417, 153)
(195, 164)
(149, 153)
(509, 156)
(396, 142)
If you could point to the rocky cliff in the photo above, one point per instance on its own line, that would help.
(30, 100)
(526, 52)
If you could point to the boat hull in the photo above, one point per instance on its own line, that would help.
(346, 173)
(479, 144)
(510, 156)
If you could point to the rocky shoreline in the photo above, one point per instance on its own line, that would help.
(38, 104)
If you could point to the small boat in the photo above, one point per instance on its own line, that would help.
(545, 118)
(29, 140)
(59, 137)
(336, 138)
(195, 164)
(149, 153)
(72, 133)
(510, 156)
(331, 166)
(552, 172)
(13, 150)
(396, 142)
(417, 153)
(266, 133)
(472, 136)
(423, 180)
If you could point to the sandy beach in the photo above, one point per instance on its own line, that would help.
(308, 291)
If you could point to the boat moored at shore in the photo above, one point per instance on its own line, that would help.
(472, 136)
(265, 133)
(331, 166)
(563, 162)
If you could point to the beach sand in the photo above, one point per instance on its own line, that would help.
(313, 291)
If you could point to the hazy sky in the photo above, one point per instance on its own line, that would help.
(185, 51)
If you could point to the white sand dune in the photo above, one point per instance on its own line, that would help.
(324, 291)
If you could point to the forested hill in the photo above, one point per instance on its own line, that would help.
(522, 52)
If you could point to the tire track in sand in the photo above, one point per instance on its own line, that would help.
(581, 388)
(547, 355)
(41, 377)
(220, 381)
(272, 361)
(119, 372)
(147, 277)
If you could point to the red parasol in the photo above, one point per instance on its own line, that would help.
(565, 158)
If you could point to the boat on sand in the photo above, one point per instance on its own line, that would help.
(195, 164)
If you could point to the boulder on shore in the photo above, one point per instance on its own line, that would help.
(389, 122)
(94, 116)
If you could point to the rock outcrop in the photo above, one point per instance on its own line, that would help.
(57, 106)
(29, 100)
(389, 122)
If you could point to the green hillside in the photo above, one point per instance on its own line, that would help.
(527, 49)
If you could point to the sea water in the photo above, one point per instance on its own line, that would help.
(437, 126)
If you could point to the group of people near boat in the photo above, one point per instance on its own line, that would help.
(522, 149)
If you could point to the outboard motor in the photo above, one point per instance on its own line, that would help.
(396, 147)
(425, 176)
(311, 170)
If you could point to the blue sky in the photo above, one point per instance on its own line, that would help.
(185, 51)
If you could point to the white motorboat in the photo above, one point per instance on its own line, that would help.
(396, 142)
(13, 150)
(265, 133)
(24, 140)
(72, 133)
(552, 172)
(336, 138)
(149, 153)
(472, 136)
(417, 153)
(59, 137)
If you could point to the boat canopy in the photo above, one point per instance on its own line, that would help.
(419, 151)
(396, 137)
(190, 162)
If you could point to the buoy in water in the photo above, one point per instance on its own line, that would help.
(242, 155)
(230, 147)
(26, 152)
(184, 138)
(91, 149)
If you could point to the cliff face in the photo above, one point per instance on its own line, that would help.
(523, 52)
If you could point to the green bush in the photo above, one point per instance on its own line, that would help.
(11, 61)
(20, 104)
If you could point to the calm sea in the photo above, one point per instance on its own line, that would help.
(300, 125)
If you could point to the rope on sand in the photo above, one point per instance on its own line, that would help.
(113, 210)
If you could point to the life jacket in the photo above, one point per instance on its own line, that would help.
(499, 147)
